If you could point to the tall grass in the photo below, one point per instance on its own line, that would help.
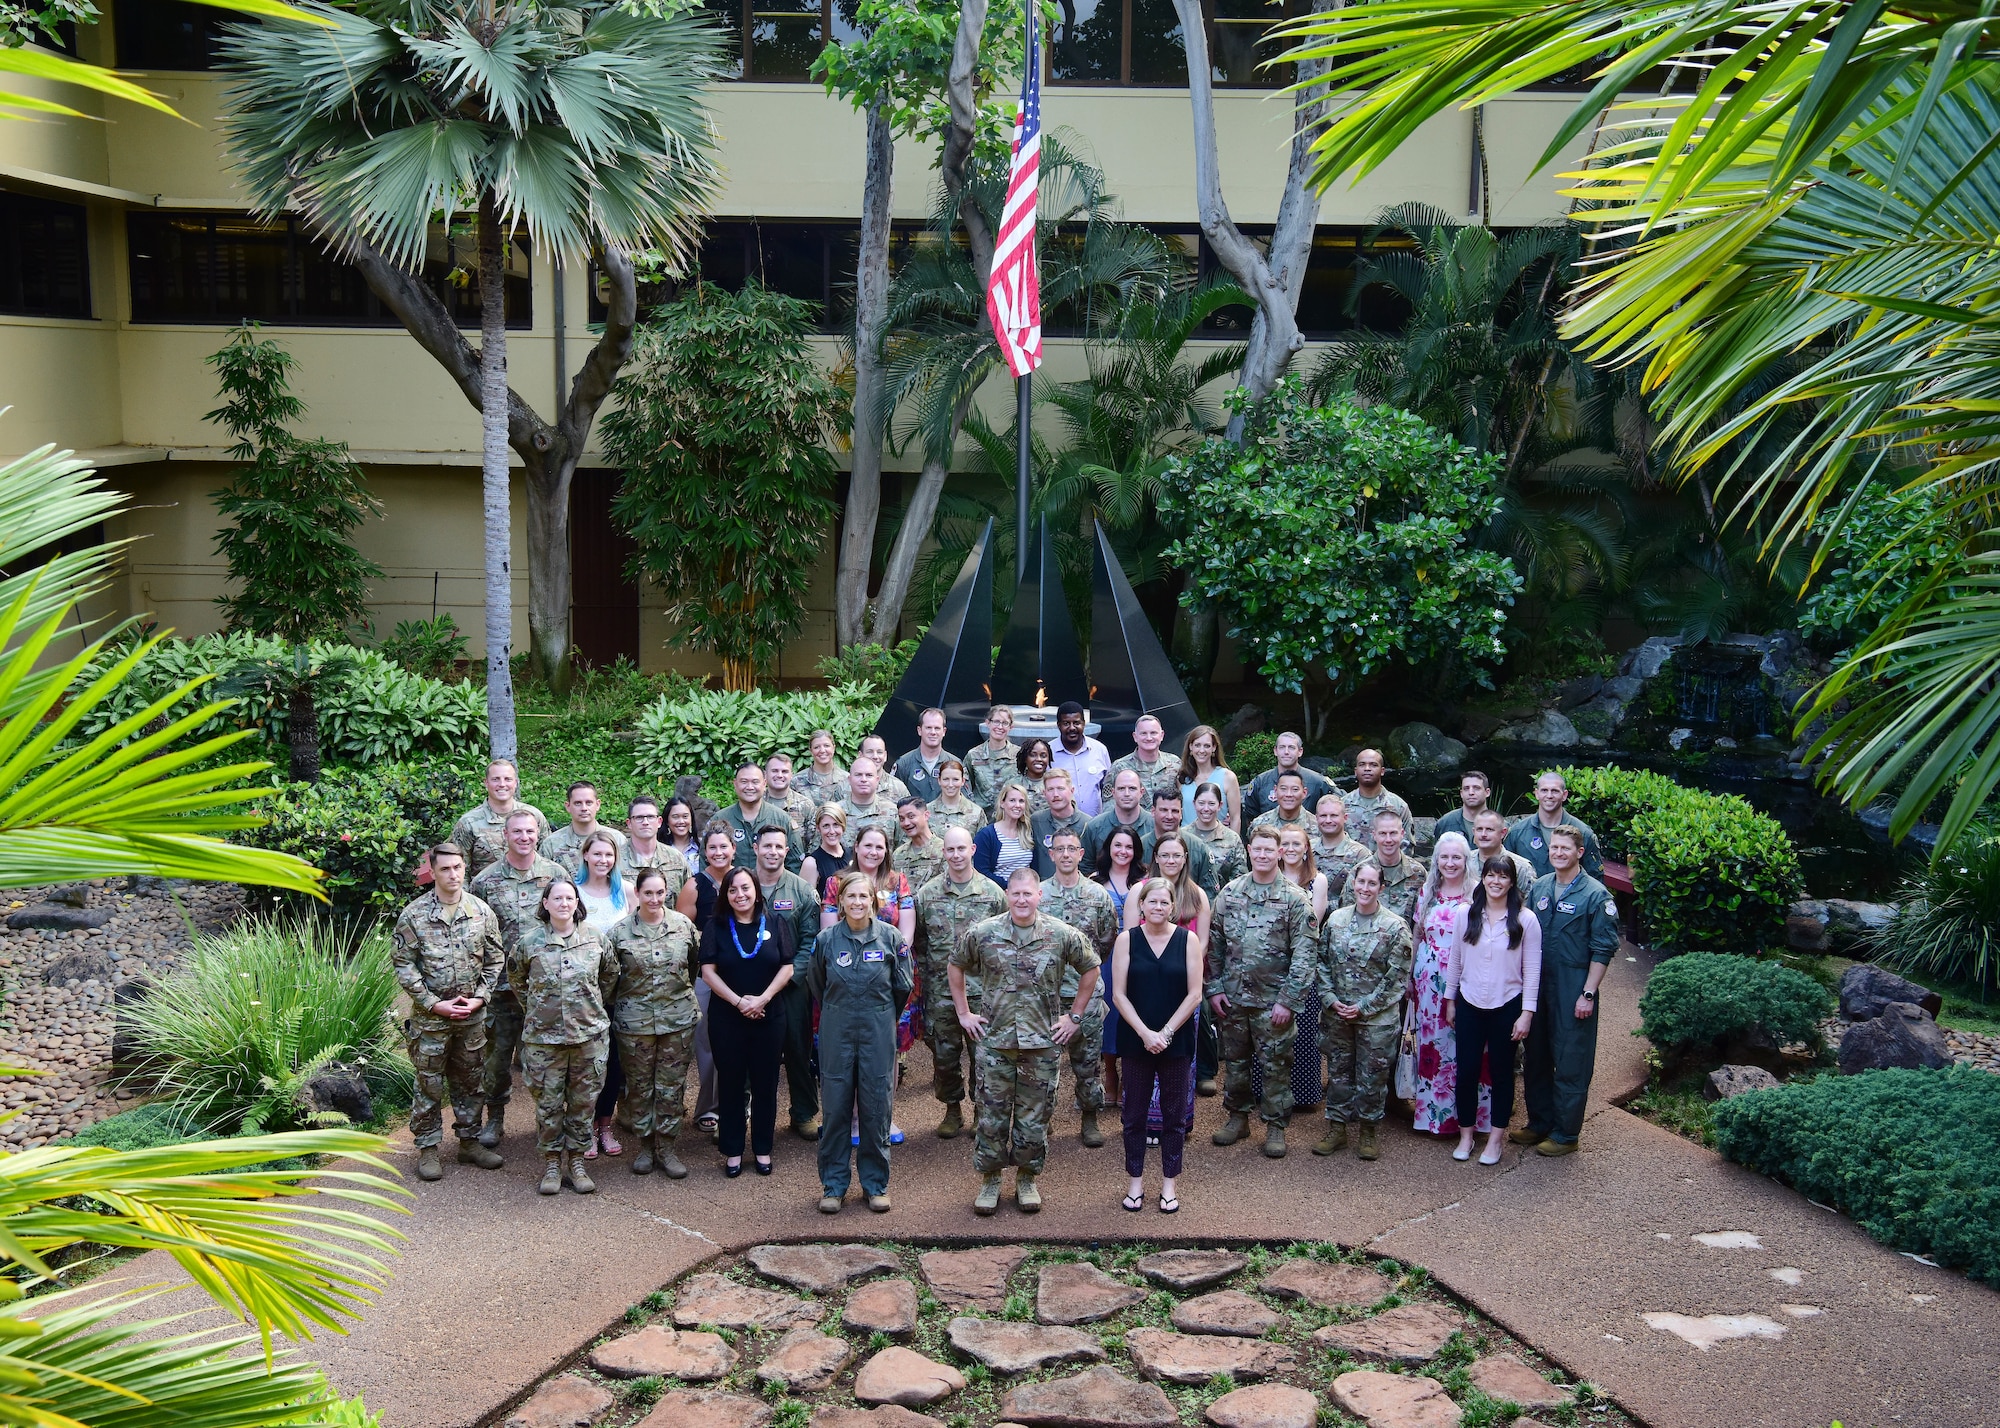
(232, 1036)
(1947, 924)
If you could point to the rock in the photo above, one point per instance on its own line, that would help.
(688, 786)
(83, 966)
(1408, 1335)
(565, 1401)
(888, 1306)
(805, 1360)
(1505, 1377)
(1901, 1036)
(818, 1268)
(971, 1279)
(59, 919)
(1096, 1398)
(132, 991)
(1249, 719)
(1679, 737)
(1227, 1311)
(1547, 730)
(905, 1377)
(147, 886)
(1197, 1358)
(1478, 727)
(1081, 1294)
(1580, 690)
(1867, 990)
(1806, 927)
(1625, 688)
(1394, 1400)
(1877, 817)
(1268, 1405)
(1423, 746)
(706, 1408)
(889, 1415)
(656, 1349)
(1330, 1286)
(1849, 923)
(1651, 657)
(343, 1091)
(1009, 1347)
(1727, 1081)
(75, 895)
(712, 1299)
(1190, 1269)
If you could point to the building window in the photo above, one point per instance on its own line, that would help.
(167, 34)
(230, 267)
(780, 39)
(44, 258)
(1139, 43)
(1322, 311)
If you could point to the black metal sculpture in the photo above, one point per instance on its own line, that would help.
(1039, 664)
(950, 668)
(1129, 671)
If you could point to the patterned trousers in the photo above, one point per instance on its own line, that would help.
(446, 1054)
(656, 1074)
(1247, 1035)
(1086, 1058)
(1017, 1094)
(1360, 1059)
(565, 1080)
(952, 1055)
(503, 1044)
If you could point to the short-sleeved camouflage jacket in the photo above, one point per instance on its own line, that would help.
(1021, 972)
(672, 866)
(1086, 907)
(482, 833)
(657, 966)
(1365, 962)
(945, 910)
(1402, 885)
(1163, 775)
(565, 846)
(441, 953)
(566, 982)
(515, 898)
(1262, 946)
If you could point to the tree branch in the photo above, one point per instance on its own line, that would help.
(960, 139)
(608, 357)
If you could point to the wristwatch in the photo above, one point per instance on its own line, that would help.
(1590, 996)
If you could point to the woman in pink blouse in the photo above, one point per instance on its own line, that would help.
(1490, 990)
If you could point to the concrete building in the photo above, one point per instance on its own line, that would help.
(126, 251)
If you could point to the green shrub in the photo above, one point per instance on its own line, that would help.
(1710, 871)
(366, 829)
(146, 1127)
(1253, 754)
(1703, 999)
(431, 648)
(230, 1038)
(1947, 922)
(880, 667)
(708, 732)
(1912, 1156)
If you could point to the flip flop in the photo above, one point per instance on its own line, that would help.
(895, 1137)
(1170, 1207)
(1134, 1202)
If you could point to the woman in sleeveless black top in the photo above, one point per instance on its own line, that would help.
(718, 856)
(1156, 971)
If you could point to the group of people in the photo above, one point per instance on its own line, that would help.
(1148, 921)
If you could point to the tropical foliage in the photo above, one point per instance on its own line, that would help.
(1891, 543)
(365, 829)
(1947, 922)
(709, 733)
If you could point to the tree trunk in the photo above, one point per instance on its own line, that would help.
(910, 536)
(963, 134)
(302, 733)
(871, 301)
(548, 483)
(493, 478)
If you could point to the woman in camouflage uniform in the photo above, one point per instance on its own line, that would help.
(653, 1016)
(951, 808)
(565, 978)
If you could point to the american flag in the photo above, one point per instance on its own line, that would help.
(1014, 292)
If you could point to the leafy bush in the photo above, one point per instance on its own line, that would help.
(1254, 754)
(1890, 543)
(431, 648)
(1703, 999)
(880, 667)
(708, 732)
(1947, 922)
(232, 1036)
(378, 711)
(1912, 1156)
(146, 1127)
(365, 829)
(1710, 871)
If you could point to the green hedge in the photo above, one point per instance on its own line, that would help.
(709, 732)
(1711, 872)
(1699, 999)
(1912, 1156)
(366, 829)
(1254, 754)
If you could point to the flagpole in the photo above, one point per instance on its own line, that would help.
(1022, 406)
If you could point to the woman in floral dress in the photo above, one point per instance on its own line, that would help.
(1451, 883)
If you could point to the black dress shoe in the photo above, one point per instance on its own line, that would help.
(732, 1171)
(763, 1166)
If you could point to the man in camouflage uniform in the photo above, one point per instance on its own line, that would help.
(1075, 900)
(751, 814)
(789, 799)
(864, 807)
(446, 954)
(1368, 798)
(1402, 873)
(565, 845)
(887, 784)
(643, 848)
(1290, 794)
(1167, 823)
(1489, 840)
(947, 906)
(1364, 963)
(787, 896)
(1260, 797)
(1261, 954)
(1061, 815)
(483, 831)
(919, 853)
(1335, 853)
(993, 762)
(1156, 771)
(1022, 960)
(513, 888)
(653, 1018)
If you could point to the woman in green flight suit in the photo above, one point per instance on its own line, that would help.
(859, 972)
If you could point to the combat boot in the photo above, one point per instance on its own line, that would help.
(496, 1126)
(1334, 1141)
(579, 1178)
(1274, 1140)
(1026, 1195)
(1092, 1136)
(471, 1152)
(669, 1163)
(642, 1159)
(1233, 1129)
(953, 1122)
(1368, 1149)
(988, 1199)
(552, 1177)
(1206, 1086)
(427, 1164)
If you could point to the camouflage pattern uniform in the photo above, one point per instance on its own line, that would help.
(1021, 971)
(1163, 774)
(1361, 814)
(1338, 861)
(879, 814)
(1402, 885)
(1524, 871)
(745, 831)
(920, 865)
(653, 1015)
(1226, 853)
(1087, 908)
(1276, 821)
(565, 982)
(1261, 953)
(887, 786)
(1364, 962)
(440, 953)
(802, 808)
(820, 788)
(565, 846)
(1038, 799)
(968, 815)
(515, 898)
(987, 769)
(945, 911)
(482, 833)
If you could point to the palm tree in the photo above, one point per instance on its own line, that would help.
(580, 121)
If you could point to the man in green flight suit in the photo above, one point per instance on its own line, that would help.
(1021, 960)
(1364, 964)
(948, 906)
(1531, 836)
(1579, 939)
(751, 814)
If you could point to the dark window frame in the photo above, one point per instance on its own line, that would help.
(1214, 24)
(143, 44)
(742, 17)
(29, 236)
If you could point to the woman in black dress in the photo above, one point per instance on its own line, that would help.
(1156, 971)
(697, 903)
(746, 960)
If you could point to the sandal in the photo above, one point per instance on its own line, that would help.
(707, 1123)
(1134, 1202)
(1170, 1207)
(609, 1142)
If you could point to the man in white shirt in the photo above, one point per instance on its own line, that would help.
(1085, 758)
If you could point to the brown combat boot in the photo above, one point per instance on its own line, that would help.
(427, 1163)
(579, 1177)
(495, 1127)
(1233, 1129)
(1092, 1136)
(669, 1163)
(1334, 1141)
(953, 1122)
(642, 1158)
(471, 1152)
(1027, 1196)
(1274, 1140)
(552, 1177)
(1368, 1149)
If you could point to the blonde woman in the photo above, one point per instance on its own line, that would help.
(1449, 889)
(1006, 845)
(1202, 763)
(832, 853)
(1156, 980)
